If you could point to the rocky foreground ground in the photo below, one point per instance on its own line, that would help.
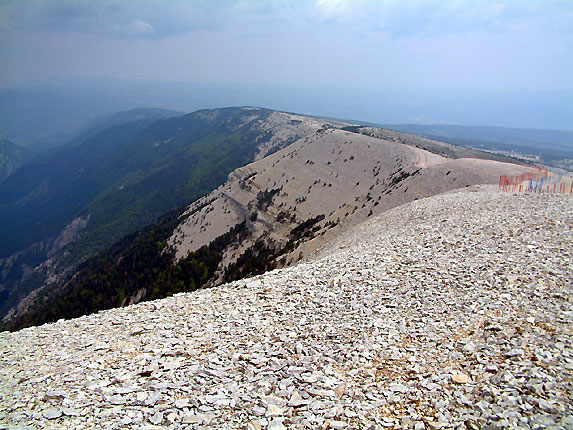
(451, 312)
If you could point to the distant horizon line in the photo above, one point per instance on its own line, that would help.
(509, 109)
(467, 90)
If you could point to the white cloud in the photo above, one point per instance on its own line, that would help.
(139, 28)
(503, 43)
(332, 9)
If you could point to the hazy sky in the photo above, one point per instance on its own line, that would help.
(457, 44)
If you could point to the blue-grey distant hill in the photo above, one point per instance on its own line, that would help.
(12, 156)
(98, 125)
(551, 146)
(49, 113)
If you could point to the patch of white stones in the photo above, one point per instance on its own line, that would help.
(451, 312)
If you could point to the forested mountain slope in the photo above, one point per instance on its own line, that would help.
(59, 210)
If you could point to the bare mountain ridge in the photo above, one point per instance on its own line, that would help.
(300, 197)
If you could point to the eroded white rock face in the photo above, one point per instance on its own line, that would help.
(450, 311)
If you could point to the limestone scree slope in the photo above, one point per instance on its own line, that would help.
(451, 312)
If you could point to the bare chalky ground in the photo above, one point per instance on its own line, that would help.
(449, 312)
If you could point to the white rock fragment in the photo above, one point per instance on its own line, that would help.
(276, 424)
(156, 418)
(460, 378)
(273, 411)
(52, 413)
